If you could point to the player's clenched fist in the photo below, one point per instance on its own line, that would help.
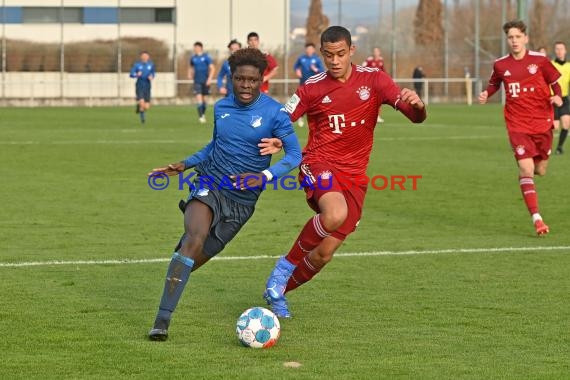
(483, 97)
(412, 98)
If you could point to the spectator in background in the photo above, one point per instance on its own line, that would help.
(272, 66)
(418, 76)
(201, 71)
(306, 66)
(144, 71)
(562, 113)
(376, 61)
(542, 50)
(224, 82)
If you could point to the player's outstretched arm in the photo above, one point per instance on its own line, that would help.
(170, 169)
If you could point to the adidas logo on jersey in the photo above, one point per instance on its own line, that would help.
(326, 99)
(507, 73)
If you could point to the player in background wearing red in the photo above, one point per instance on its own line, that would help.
(272, 66)
(376, 60)
(341, 106)
(527, 77)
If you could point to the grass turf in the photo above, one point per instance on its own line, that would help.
(74, 187)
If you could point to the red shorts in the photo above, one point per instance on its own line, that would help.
(536, 146)
(322, 179)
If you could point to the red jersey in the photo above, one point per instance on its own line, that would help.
(271, 64)
(377, 63)
(527, 86)
(342, 116)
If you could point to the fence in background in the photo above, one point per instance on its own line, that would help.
(34, 89)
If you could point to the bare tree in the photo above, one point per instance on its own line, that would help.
(317, 22)
(428, 27)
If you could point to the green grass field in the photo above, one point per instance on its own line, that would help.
(455, 283)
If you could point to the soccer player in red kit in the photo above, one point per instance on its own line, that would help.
(528, 77)
(272, 65)
(341, 106)
(376, 60)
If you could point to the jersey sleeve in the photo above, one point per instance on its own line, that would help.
(271, 62)
(297, 104)
(153, 70)
(297, 64)
(494, 82)
(133, 73)
(283, 130)
(389, 93)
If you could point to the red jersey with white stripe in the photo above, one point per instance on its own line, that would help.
(527, 86)
(342, 116)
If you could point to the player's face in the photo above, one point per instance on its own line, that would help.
(337, 58)
(517, 41)
(197, 49)
(246, 81)
(145, 57)
(377, 53)
(309, 50)
(253, 42)
(560, 51)
(233, 48)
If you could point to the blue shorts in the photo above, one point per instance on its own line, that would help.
(201, 89)
(229, 217)
(143, 91)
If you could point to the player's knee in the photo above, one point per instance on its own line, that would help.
(540, 171)
(193, 243)
(334, 218)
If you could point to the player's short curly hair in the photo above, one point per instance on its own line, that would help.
(248, 56)
(518, 24)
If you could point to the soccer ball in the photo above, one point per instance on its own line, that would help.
(258, 327)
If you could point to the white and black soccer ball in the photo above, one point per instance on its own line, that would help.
(258, 327)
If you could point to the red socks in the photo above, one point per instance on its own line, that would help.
(311, 235)
(529, 194)
(303, 273)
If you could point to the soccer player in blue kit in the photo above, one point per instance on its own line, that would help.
(235, 169)
(224, 82)
(201, 70)
(144, 71)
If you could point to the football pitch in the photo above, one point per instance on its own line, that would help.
(446, 281)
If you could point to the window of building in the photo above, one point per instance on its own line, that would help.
(147, 15)
(51, 15)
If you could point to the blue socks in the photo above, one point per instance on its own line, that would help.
(141, 115)
(176, 278)
(201, 109)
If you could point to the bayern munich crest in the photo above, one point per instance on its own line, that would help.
(326, 174)
(363, 92)
(533, 69)
(520, 150)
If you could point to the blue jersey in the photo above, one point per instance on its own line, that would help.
(309, 65)
(233, 149)
(145, 68)
(225, 73)
(201, 64)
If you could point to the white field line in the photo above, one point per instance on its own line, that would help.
(262, 257)
(140, 142)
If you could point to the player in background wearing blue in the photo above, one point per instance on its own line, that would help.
(214, 214)
(144, 71)
(306, 66)
(201, 71)
(224, 82)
